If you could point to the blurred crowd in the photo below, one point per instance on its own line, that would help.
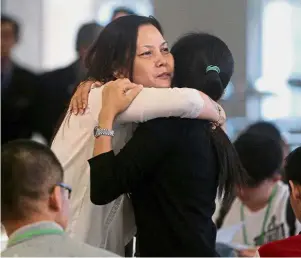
(264, 213)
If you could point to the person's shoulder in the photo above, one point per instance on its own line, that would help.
(55, 246)
(95, 101)
(97, 252)
(25, 71)
(175, 126)
(162, 124)
(64, 74)
(58, 71)
(282, 195)
(85, 250)
(285, 247)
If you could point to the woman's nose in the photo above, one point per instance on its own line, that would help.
(161, 61)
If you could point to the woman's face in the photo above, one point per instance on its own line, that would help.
(153, 63)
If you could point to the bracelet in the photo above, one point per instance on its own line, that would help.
(220, 119)
(98, 131)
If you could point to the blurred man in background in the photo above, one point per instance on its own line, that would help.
(120, 12)
(289, 247)
(18, 88)
(57, 86)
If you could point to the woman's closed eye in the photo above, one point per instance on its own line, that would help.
(165, 50)
(146, 53)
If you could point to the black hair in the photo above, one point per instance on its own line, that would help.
(29, 171)
(122, 9)
(115, 48)
(265, 128)
(86, 35)
(16, 26)
(193, 53)
(293, 166)
(260, 155)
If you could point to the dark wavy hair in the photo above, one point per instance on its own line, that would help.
(114, 51)
(193, 53)
(115, 48)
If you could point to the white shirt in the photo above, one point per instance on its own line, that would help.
(254, 220)
(111, 226)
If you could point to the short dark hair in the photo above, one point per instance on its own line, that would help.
(293, 166)
(260, 155)
(29, 171)
(122, 9)
(16, 26)
(86, 34)
(193, 53)
(265, 128)
(115, 48)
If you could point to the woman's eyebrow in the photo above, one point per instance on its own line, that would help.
(152, 46)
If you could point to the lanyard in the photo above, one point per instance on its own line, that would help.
(35, 232)
(266, 216)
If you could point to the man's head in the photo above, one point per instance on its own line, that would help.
(86, 35)
(120, 12)
(271, 130)
(293, 176)
(261, 156)
(9, 35)
(31, 185)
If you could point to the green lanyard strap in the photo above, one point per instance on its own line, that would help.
(32, 233)
(266, 216)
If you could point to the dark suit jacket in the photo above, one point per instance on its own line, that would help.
(170, 168)
(18, 105)
(56, 88)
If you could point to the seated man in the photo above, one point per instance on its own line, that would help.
(262, 204)
(34, 204)
(289, 247)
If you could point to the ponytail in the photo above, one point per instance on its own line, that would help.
(231, 171)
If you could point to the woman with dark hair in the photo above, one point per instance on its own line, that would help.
(130, 47)
(172, 167)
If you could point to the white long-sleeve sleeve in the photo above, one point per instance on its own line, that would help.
(161, 102)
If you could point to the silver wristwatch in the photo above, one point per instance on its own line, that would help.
(98, 131)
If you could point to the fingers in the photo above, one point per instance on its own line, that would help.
(79, 100)
(96, 84)
(247, 253)
(73, 105)
(133, 93)
(84, 97)
(129, 86)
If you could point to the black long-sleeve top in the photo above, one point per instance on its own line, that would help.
(170, 169)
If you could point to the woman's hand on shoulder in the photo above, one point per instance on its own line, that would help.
(79, 100)
(117, 96)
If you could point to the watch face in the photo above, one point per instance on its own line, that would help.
(95, 130)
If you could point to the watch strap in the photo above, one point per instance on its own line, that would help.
(98, 131)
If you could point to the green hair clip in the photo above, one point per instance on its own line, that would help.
(212, 68)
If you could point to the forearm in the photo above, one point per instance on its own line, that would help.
(113, 175)
(169, 102)
(210, 110)
(103, 143)
(164, 102)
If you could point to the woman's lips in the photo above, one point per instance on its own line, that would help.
(164, 76)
